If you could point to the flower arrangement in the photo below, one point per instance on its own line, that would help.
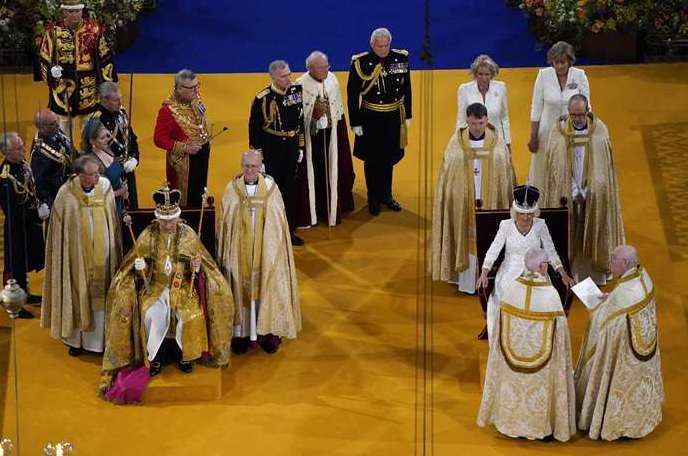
(570, 20)
(21, 21)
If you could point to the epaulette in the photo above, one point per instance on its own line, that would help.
(358, 56)
(95, 114)
(401, 51)
(263, 92)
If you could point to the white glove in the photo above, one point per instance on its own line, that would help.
(321, 124)
(358, 131)
(408, 123)
(43, 211)
(300, 159)
(130, 165)
(139, 264)
(56, 71)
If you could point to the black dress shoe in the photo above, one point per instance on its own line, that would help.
(155, 368)
(240, 345)
(25, 314)
(393, 205)
(185, 366)
(374, 209)
(269, 343)
(295, 240)
(34, 299)
(74, 351)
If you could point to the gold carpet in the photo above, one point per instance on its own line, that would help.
(387, 362)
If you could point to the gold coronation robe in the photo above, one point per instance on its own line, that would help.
(618, 377)
(83, 250)
(453, 221)
(529, 390)
(203, 330)
(259, 248)
(599, 229)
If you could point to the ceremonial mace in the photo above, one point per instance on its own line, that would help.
(326, 150)
(204, 198)
(127, 221)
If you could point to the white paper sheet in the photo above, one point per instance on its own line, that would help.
(588, 293)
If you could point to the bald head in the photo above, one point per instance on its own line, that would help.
(46, 122)
(623, 259)
(536, 260)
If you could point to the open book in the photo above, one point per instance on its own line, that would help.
(588, 292)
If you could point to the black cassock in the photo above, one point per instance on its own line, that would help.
(24, 245)
(123, 144)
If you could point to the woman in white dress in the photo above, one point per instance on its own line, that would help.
(553, 88)
(517, 235)
(486, 90)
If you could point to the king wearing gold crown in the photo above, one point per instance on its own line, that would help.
(167, 296)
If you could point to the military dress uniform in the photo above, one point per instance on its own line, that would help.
(276, 128)
(123, 143)
(379, 100)
(23, 234)
(86, 60)
(50, 164)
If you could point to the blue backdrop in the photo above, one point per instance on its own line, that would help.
(218, 36)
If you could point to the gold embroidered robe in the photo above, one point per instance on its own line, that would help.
(601, 228)
(619, 375)
(529, 389)
(274, 282)
(79, 266)
(203, 330)
(453, 220)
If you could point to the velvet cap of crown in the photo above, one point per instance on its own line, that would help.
(167, 203)
(526, 199)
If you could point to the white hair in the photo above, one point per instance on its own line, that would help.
(316, 55)
(106, 89)
(6, 141)
(380, 33)
(534, 257)
(628, 253)
(184, 75)
(250, 153)
(277, 65)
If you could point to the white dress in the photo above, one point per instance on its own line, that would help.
(549, 103)
(515, 247)
(495, 101)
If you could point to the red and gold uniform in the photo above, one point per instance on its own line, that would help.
(86, 60)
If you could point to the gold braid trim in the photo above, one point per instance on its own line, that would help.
(370, 80)
(535, 362)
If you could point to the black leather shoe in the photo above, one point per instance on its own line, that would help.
(34, 299)
(155, 368)
(295, 240)
(374, 209)
(73, 351)
(393, 205)
(185, 366)
(25, 314)
(269, 343)
(240, 345)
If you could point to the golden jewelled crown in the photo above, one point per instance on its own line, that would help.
(167, 203)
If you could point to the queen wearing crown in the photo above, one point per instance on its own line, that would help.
(168, 300)
(524, 230)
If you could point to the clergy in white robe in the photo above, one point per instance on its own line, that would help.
(329, 168)
(516, 235)
(83, 250)
(619, 376)
(553, 88)
(475, 168)
(529, 389)
(581, 170)
(254, 252)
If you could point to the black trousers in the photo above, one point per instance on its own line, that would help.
(280, 157)
(378, 176)
(198, 176)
